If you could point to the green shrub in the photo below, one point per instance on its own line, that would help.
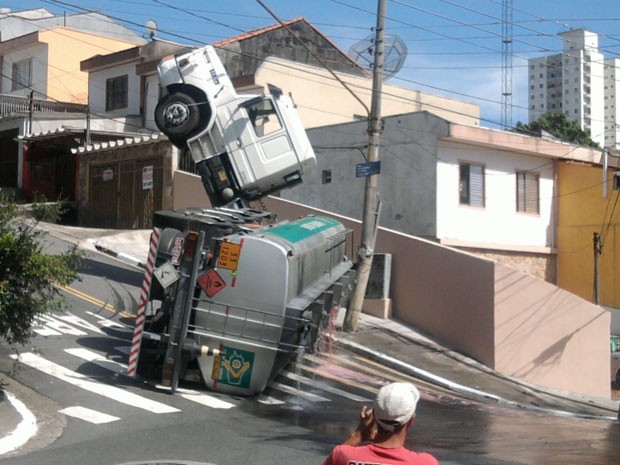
(28, 276)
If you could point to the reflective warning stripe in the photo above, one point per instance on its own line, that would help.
(134, 353)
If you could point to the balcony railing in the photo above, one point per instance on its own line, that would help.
(12, 104)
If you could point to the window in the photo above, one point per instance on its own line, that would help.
(116, 93)
(326, 177)
(527, 192)
(263, 116)
(471, 184)
(22, 74)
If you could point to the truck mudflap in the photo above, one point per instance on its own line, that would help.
(235, 297)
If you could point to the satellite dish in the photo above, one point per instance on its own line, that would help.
(151, 29)
(363, 52)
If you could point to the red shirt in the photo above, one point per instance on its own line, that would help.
(372, 454)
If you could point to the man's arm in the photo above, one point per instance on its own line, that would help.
(366, 429)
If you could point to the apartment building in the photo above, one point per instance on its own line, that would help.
(576, 82)
(612, 103)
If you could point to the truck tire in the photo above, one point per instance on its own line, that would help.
(177, 115)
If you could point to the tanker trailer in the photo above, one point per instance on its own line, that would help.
(245, 303)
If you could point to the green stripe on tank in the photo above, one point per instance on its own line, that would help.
(299, 230)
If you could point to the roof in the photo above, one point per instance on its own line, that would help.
(131, 141)
(258, 32)
(64, 131)
(526, 144)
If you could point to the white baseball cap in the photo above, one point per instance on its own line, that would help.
(395, 405)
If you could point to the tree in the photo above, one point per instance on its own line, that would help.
(559, 126)
(28, 276)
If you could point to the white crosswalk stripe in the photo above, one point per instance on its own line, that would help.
(81, 381)
(121, 369)
(86, 414)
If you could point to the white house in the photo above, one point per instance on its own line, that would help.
(125, 83)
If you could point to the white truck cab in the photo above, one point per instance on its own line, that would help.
(244, 146)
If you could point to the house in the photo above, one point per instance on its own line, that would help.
(482, 190)
(588, 204)
(43, 108)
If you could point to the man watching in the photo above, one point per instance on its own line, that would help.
(385, 426)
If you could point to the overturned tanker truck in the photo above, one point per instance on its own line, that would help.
(231, 296)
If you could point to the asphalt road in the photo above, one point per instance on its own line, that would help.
(99, 416)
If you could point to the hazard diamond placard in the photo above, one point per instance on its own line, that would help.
(211, 282)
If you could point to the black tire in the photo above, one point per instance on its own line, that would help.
(177, 115)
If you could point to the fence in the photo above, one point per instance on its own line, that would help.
(11, 104)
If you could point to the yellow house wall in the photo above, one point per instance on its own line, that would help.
(66, 48)
(321, 100)
(583, 211)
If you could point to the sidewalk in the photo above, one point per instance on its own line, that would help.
(388, 342)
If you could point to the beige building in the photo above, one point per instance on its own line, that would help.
(269, 56)
(48, 63)
(321, 100)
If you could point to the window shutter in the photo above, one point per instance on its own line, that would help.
(520, 192)
(528, 192)
(531, 193)
(476, 185)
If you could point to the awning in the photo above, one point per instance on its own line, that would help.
(132, 141)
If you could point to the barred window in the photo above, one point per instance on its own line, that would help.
(116, 93)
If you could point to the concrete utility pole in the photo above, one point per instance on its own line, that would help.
(370, 216)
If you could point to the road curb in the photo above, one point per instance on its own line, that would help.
(44, 410)
(396, 364)
(103, 248)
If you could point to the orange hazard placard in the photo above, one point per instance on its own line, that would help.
(229, 256)
(211, 283)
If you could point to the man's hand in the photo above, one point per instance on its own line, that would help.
(366, 429)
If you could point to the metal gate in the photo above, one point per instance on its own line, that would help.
(125, 195)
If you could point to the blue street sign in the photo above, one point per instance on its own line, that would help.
(366, 169)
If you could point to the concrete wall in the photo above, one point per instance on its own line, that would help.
(548, 336)
(513, 322)
(188, 191)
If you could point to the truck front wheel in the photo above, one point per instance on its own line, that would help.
(177, 115)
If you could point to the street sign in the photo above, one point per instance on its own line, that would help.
(367, 169)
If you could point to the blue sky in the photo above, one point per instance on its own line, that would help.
(454, 46)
